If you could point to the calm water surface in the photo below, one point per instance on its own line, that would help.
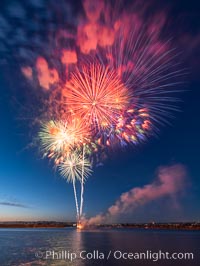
(25, 247)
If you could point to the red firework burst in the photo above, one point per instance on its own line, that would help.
(96, 94)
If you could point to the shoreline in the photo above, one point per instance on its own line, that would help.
(147, 226)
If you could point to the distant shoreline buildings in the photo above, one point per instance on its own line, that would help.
(153, 225)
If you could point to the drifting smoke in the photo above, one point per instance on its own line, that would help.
(170, 181)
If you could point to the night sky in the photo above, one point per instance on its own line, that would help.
(30, 189)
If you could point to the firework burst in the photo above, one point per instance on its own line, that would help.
(96, 94)
(58, 138)
(113, 87)
(133, 126)
(74, 166)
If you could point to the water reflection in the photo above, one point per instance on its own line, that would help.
(18, 247)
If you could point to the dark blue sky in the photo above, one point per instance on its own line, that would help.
(31, 190)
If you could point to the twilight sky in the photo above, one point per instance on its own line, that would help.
(30, 189)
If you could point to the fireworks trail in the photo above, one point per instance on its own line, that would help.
(60, 141)
(76, 200)
(75, 167)
(82, 184)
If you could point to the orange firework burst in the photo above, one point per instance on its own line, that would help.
(97, 95)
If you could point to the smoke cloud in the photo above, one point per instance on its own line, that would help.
(170, 181)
